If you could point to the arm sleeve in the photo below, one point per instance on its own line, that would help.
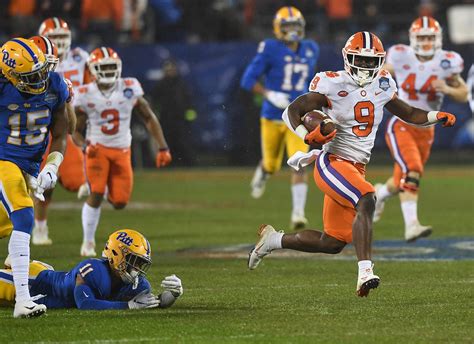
(256, 68)
(85, 299)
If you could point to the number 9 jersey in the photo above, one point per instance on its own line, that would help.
(283, 69)
(109, 115)
(357, 111)
(25, 121)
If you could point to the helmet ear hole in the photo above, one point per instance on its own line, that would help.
(114, 253)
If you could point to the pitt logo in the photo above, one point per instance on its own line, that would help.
(7, 60)
(123, 237)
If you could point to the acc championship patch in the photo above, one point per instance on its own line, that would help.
(51, 97)
(384, 83)
(445, 64)
(128, 93)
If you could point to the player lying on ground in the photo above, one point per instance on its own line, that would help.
(354, 99)
(116, 281)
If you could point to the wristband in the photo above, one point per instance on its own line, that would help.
(301, 131)
(55, 158)
(432, 117)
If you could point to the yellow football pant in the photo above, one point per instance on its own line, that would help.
(7, 288)
(275, 136)
(14, 194)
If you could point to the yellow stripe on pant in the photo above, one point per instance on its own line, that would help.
(275, 136)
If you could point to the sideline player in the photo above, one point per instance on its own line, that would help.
(354, 99)
(32, 106)
(425, 74)
(106, 104)
(287, 64)
(117, 281)
(72, 66)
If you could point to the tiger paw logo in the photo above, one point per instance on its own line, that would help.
(123, 237)
(10, 62)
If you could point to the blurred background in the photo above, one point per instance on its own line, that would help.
(189, 56)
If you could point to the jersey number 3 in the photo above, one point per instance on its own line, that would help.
(111, 127)
(365, 115)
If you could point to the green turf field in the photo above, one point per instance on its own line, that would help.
(286, 300)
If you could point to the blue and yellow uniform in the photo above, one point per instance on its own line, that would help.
(287, 71)
(59, 287)
(25, 120)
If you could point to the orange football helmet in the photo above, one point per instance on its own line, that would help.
(288, 24)
(58, 32)
(49, 50)
(364, 56)
(105, 65)
(425, 36)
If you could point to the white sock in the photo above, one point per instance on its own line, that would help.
(364, 265)
(41, 224)
(19, 252)
(90, 221)
(383, 193)
(299, 192)
(274, 241)
(410, 212)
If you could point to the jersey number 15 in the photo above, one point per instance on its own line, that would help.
(32, 125)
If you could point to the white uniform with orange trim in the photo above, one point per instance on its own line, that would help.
(73, 67)
(414, 76)
(357, 111)
(109, 116)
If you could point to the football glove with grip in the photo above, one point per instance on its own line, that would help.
(163, 158)
(316, 137)
(48, 176)
(279, 99)
(173, 284)
(446, 118)
(144, 300)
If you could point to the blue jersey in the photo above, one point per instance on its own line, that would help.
(58, 286)
(25, 120)
(283, 69)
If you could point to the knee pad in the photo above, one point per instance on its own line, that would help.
(23, 220)
(410, 183)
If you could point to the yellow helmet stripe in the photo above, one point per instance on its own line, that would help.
(28, 49)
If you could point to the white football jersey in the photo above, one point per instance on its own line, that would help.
(357, 111)
(73, 66)
(108, 116)
(414, 77)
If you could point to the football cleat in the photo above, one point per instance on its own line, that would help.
(416, 231)
(258, 182)
(40, 236)
(262, 248)
(366, 281)
(88, 249)
(298, 222)
(84, 191)
(28, 309)
(379, 204)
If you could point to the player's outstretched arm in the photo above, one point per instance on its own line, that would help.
(417, 116)
(163, 157)
(81, 121)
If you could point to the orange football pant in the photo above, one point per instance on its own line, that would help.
(111, 167)
(343, 183)
(410, 147)
(71, 171)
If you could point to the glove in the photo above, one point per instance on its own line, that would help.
(144, 300)
(279, 99)
(163, 158)
(48, 177)
(34, 187)
(316, 137)
(173, 284)
(446, 118)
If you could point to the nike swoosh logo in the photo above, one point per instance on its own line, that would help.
(85, 294)
(377, 93)
(30, 308)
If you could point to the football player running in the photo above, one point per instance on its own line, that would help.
(116, 281)
(425, 74)
(72, 66)
(287, 64)
(32, 109)
(106, 105)
(354, 99)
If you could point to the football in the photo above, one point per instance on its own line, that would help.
(313, 118)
